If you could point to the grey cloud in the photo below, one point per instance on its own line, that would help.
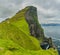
(5, 12)
(47, 4)
(10, 7)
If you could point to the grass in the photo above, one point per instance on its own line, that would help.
(15, 38)
(8, 47)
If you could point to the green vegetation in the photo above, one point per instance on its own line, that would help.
(15, 38)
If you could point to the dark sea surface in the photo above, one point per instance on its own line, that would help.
(54, 32)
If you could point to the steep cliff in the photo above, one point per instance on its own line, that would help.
(22, 35)
(34, 26)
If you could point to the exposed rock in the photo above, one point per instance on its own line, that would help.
(47, 43)
(34, 26)
(50, 42)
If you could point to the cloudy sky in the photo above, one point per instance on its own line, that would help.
(48, 10)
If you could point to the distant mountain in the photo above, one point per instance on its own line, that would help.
(51, 24)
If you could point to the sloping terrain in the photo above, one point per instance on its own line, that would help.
(16, 39)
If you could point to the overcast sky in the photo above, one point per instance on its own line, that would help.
(48, 10)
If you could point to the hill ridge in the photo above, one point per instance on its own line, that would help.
(19, 31)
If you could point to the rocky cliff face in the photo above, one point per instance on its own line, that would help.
(35, 28)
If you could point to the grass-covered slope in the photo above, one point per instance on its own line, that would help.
(18, 31)
(15, 38)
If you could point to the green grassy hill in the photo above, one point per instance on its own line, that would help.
(15, 38)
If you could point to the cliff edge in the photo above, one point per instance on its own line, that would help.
(23, 35)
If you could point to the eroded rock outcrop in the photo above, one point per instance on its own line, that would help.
(35, 28)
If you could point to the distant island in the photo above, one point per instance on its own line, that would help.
(51, 24)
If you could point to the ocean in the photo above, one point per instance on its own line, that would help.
(54, 33)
